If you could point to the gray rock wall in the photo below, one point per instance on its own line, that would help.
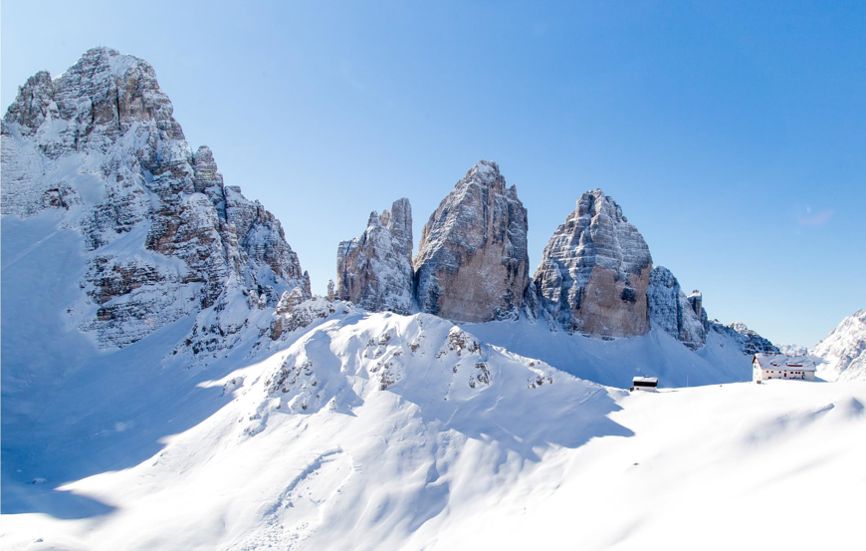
(673, 312)
(595, 270)
(472, 259)
(374, 270)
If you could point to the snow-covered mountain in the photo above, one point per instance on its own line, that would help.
(97, 152)
(169, 381)
(409, 432)
(843, 351)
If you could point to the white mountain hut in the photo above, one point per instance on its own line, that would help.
(782, 366)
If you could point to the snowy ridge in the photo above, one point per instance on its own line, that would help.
(382, 431)
(843, 351)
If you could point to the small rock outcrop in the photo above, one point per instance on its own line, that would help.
(374, 270)
(595, 271)
(472, 260)
(163, 237)
(671, 310)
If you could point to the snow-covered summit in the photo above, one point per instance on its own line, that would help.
(98, 152)
(843, 351)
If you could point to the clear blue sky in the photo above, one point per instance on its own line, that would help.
(733, 134)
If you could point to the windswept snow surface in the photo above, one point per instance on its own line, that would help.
(381, 431)
(614, 362)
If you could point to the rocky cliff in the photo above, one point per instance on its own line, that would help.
(472, 259)
(374, 270)
(747, 340)
(595, 271)
(99, 151)
(672, 311)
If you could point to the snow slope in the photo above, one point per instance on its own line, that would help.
(843, 351)
(379, 431)
(614, 362)
(387, 431)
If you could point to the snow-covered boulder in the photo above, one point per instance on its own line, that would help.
(472, 260)
(164, 238)
(595, 270)
(843, 351)
(374, 270)
(671, 310)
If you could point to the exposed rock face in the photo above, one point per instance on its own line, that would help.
(595, 271)
(164, 237)
(472, 260)
(843, 351)
(374, 270)
(749, 341)
(669, 309)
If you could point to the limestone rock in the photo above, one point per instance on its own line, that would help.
(672, 311)
(162, 236)
(374, 270)
(748, 340)
(472, 259)
(595, 271)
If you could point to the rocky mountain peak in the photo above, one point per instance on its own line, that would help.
(374, 270)
(93, 103)
(472, 259)
(32, 104)
(485, 173)
(595, 270)
(163, 237)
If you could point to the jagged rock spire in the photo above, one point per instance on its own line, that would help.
(374, 270)
(472, 259)
(595, 270)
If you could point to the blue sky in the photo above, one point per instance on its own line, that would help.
(733, 134)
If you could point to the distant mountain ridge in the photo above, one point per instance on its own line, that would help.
(165, 238)
(843, 351)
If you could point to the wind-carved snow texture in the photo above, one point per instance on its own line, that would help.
(319, 369)
(374, 270)
(671, 310)
(595, 270)
(472, 259)
(843, 351)
(165, 238)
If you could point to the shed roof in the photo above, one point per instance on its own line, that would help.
(646, 380)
